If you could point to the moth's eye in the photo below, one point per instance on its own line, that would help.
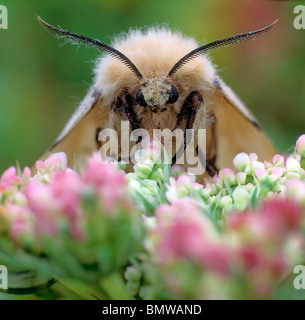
(140, 99)
(173, 96)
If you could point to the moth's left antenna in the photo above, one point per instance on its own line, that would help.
(103, 47)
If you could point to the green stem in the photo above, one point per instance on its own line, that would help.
(115, 287)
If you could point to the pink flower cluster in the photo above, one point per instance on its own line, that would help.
(250, 184)
(52, 199)
(253, 249)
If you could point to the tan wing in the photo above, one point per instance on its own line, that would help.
(79, 137)
(237, 130)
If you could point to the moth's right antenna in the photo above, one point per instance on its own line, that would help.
(77, 38)
(218, 44)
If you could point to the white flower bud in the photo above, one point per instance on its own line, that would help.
(293, 165)
(257, 165)
(241, 161)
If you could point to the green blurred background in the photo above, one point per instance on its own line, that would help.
(42, 82)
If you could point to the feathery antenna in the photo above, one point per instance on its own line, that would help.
(253, 35)
(77, 38)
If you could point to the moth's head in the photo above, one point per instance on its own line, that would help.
(157, 93)
(166, 67)
(156, 68)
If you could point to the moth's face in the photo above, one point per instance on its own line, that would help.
(156, 94)
(154, 104)
(156, 100)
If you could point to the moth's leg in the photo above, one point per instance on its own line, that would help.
(123, 110)
(186, 119)
(211, 147)
(97, 140)
(188, 111)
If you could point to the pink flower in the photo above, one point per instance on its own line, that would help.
(227, 175)
(253, 157)
(184, 209)
(197, 186)
(9, 178)
(179, 187)
(278, 160)
(246, 225)
(20, 222)
(216, 257)
(272, 221)
(66, 188)
(100, 174)
(153, 150)
(182, 239)
(262, 270)
(56, 161)
(295, 189)
(277, 172)
(283, 215)
(113, 197)
(110, 185)
(261, 173)
(177, 170)
(250, 256)
(44, 208)
(268, 165)
(26, 174)
(300, 145)
(184, 232)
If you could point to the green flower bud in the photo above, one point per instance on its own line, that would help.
(132, 287)
(226, 203)
(240, 197)
(144, 168)
(132, 273)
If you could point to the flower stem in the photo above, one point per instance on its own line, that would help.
(114, 285)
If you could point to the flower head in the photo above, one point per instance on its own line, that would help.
(9, 178)
(56, 161)
(241, 161)
(300, 146)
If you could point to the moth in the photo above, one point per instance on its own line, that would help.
(160, 79)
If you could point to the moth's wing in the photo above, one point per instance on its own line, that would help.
(78, 139)
(237, 130)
